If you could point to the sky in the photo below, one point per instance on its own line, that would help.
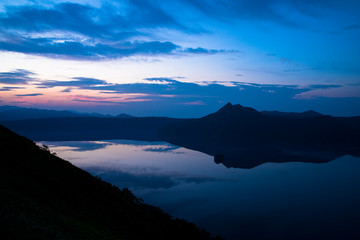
(181, 58)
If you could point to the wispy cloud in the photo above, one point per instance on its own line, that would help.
(66, 90)
(161, 80)
(6, 89)
(29, 95)
(333, 91)
(167, 148)
(352, 27)
(18, 76)
(18, 102)
(201, 50)
(80, 82)
(82, 51)
(193, 103)
(260, 10)
(96, 101)
(118, 99)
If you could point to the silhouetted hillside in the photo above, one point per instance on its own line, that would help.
(45, 197)
(242, 137)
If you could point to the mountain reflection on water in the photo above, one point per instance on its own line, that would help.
(292, 200)
(253, 155)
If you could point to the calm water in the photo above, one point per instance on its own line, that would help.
(271, 201)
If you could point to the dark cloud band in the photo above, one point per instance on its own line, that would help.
(18, 76)
(29, 95)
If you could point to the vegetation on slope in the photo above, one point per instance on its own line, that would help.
(45, 197)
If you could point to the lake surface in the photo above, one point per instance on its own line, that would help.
(271, 201)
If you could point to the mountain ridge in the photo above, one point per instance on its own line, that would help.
(241, 136)
(12, 113)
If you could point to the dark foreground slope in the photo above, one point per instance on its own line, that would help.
(45, 197)
(242, 137)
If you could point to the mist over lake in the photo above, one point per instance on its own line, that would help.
(271, 201)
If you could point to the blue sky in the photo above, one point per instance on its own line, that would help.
(181, 58)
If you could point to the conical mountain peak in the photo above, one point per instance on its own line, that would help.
(230, 110)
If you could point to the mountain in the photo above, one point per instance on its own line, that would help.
(9, 113)
(307, 114)
(242, 137)
(124, 115)
(90, 128)
(45, 197)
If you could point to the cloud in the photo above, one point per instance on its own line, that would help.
(146, 177)
(17, 102)
(193, 103)
(160, 86)
(70, 49)
(121, 98)
(292, 70)
(186, 93)
(84, 32)
(331, 91)
(29, 95)
(67, 90)
(352, 27)
(187, 97)
(114, 20)
(128, 179)
(107, 22)
(168, 148)
(18, 76)
(201, 50)
(161, 80)
(83, 146)
(258, 10)
(169, 96)
(151, 87)
(81, 82)
(5, 89)
(324, 86)
(96, 101)
(77, 50)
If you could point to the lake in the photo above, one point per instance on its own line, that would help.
(271, 201)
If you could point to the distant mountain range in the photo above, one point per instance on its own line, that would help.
(44, 197)
(89, 128)
(236, 136)
(124, 115)
(10, 113)
(242, 137)
(307, 114)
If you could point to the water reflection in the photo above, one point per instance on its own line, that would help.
(271, 201)
(136, 164)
